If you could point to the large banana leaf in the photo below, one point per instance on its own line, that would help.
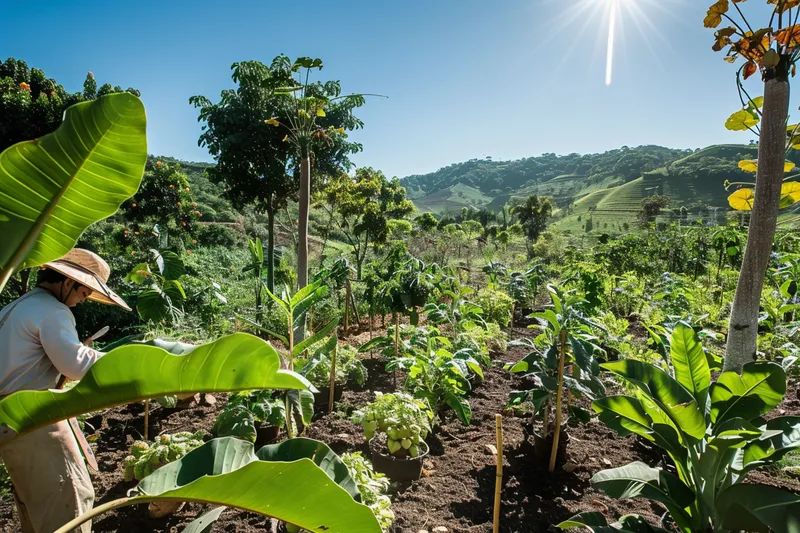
(759, 389)
(597, 523)
(53, 188)
(780, 436)
(667, 394)
(136, 372)
(227, 472)
(691, 365)
(761, 508)
(637, 480)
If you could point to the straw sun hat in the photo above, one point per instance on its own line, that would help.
(88, 269)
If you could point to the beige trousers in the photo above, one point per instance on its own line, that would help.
(51, 482)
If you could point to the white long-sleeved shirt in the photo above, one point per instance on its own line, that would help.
(38, 342)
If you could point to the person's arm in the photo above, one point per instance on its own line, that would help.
(61, 344)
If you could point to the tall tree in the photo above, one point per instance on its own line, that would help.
(32, 105)
(533, 215)
(362, 207)
(773, 51)
(252, 160)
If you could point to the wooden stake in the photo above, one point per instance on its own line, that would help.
(346, 306)
(371, 327)
(396, 346)
(557, 429)
(498, 482)
(146, 418)
(513, 309)
(333, 377)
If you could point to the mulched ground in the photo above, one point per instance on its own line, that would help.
(457, 487)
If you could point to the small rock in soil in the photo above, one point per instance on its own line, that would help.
(440, 529)
(570, 467)
(422, 531)
(491, 449)
(606, 461)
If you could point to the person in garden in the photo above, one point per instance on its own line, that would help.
(40, 349)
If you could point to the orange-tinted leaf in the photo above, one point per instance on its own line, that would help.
(785, 4)
(742, 200)
(789, 36)
(714, 15)
(750, 68)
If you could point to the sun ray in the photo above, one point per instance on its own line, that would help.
(612, 26)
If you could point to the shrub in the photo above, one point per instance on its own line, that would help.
(218, 235)
(496, 305)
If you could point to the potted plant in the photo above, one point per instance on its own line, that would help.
(254, 416)
(396, 426)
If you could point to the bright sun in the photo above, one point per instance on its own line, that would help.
(612, 29)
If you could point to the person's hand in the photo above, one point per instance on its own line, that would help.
(88, 342)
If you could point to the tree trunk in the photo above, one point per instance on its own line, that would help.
(743, 327)
(271, 249)
(302, 246)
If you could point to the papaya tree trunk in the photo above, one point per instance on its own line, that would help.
(271, 249)
(302, 245)
(743, 327)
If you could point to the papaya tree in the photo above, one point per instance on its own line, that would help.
(772, 51)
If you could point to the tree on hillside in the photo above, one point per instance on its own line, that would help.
(426, 222)
(533, 215)
(32, 105)
(772, 51)
(651, 207)
(362, 207)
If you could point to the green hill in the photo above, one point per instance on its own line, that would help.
(607, 188)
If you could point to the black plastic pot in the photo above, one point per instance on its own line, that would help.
(543, 447)
(266, 435)
(397, 468)
(322, 397)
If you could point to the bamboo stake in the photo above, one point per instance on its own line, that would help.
(498, 482)
(396, 346)
(557, 429)
(146, 418)
(346, 306)
(333, 377)
(371, 327)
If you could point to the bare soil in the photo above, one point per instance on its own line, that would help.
(457, 487)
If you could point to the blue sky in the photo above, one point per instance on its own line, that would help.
(465, 78)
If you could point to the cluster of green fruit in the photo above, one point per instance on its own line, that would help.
(405, 421)
(146, 457)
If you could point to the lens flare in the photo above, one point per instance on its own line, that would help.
(612, 28)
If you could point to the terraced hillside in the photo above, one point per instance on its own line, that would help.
(606, 188)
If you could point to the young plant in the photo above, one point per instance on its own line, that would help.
(146, 457)
(406, 421)
(372, 486)
(567, 340)
(317, 369)
(714, 433)
(246, 411)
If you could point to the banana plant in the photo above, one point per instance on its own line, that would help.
(714, 434)
(227, 472)
(54, 187)
(137, 372)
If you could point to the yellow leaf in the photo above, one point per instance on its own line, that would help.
(742, 200)
(714, 15)
(790, 190)
(787, 166)
(749, 165)
(273, 122)
(741, 121)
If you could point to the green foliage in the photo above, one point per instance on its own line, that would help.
(372, 486)
(317, 368)
(406, 421)
(713, 433)
(165, 296)
(496, 306)
(63, 165)
(146, 457)
(245, 411)
(533, 215)
(651, 207)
